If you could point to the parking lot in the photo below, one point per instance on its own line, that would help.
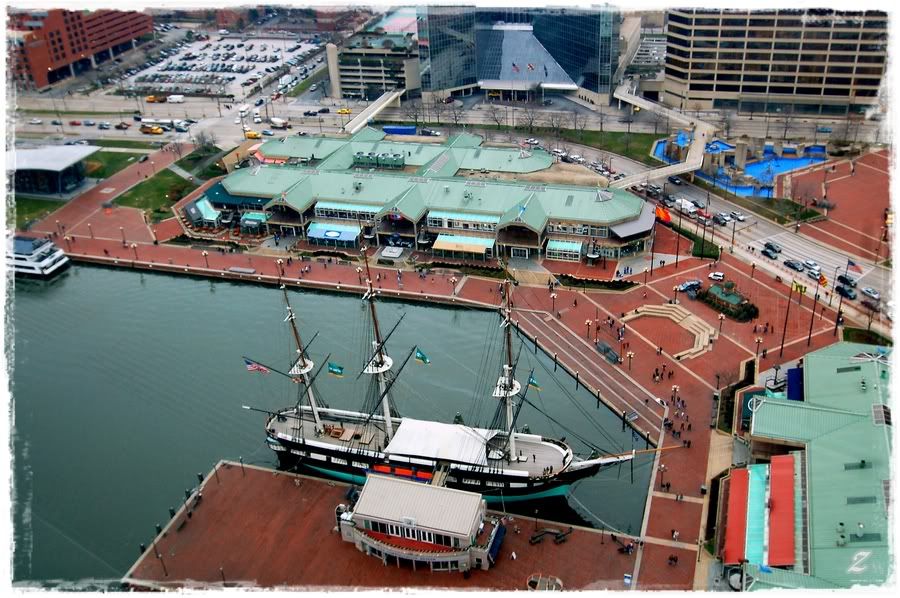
(227, 67)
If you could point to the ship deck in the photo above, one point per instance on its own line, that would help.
(264, 528)
(536, 455)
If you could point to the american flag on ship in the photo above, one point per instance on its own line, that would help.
(252, 366)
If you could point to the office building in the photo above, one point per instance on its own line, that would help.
(803, 61)
(50, 45)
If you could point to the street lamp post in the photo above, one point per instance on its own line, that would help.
(721, 321)
(134, 249)
(359, 274)
(646, 271)
(758, 343)
(90, 230)
(675, 299)
(588, 323)
(205, 255)
(67, 240)
(662, 475)
(280, 263)
(122, 230)
(630, 356)
(752, 270)
(553, 302)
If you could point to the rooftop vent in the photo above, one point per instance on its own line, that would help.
(604, 195)
(569, 200)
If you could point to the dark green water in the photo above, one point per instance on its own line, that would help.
(126, 385)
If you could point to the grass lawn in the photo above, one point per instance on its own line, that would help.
(151, 145)
(150, 195)
(307, 83)
(191, 161)
(701, 248)
(211, 171)
(33, 209)
(103, 165)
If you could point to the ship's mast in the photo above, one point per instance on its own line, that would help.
(302, 366)
(507, 386)
(380, 363)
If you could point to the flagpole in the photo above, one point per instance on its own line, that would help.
(837, 318)
(813, 316)
(271, 369)
(786, 313)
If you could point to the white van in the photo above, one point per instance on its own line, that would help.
(244, 109)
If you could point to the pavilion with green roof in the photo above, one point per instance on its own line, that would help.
(813, 512)
(418, 197)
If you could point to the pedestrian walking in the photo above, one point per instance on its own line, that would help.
(689, 427)
(675, 534)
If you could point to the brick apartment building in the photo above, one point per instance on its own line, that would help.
(47, 46)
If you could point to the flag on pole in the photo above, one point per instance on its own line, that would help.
(252, 366)
(421, 357)
(800, 288)
(822, 280)
(853, 267)
(530, 67)
(515, 67)
(335, 370)
(533, 383)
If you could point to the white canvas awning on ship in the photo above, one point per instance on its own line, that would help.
(442, 442)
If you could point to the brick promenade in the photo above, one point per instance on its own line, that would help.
(628, 386)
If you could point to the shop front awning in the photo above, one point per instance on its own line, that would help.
(332, 232)
(781, 512)
(736, 522)
(642, 224)
(463, 244)
(207, 212)
(557, 245)
(254, 218)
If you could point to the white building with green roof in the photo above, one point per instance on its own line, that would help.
(813, 513)
(306, 180)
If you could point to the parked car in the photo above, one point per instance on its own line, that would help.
(697, 204)
(794, 265)
(675, 180)
(846, 280)
(719, 219)
(56, 122)
(323, 111)
(237, 120)
(718, 276)
(103, 126)
(775, 247)
(267, 132)
(845, 292)
(814, 274)
(870, 292)
(122, 126)
(689, 284)
(770, 254)
(341, 110)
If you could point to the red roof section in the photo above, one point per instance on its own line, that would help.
(781, 511)
(736, 526)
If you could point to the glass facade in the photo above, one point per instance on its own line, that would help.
(584, 43)
(446, 46)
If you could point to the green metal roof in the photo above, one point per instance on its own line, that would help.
(529, 213)
(261, 181)
(772, 578)
(837, 426)
(295, 146)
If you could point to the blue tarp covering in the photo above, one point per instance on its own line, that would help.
(795, 384)
(498, 540)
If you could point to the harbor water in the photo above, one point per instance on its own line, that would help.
(127, 384)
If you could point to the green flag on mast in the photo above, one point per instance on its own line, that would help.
(335, 370)
(421, 357)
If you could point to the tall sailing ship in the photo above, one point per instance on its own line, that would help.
(501, 463)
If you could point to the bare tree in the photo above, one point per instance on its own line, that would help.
(177, 148)
(413, 110)
(555, 122)
(205, 140)
(728, 120)
(496, 114)
(657, 120)
(437, 110)
(456, 114)
(601, 116)
(528, 117)
(789, 119)
(581, 123)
